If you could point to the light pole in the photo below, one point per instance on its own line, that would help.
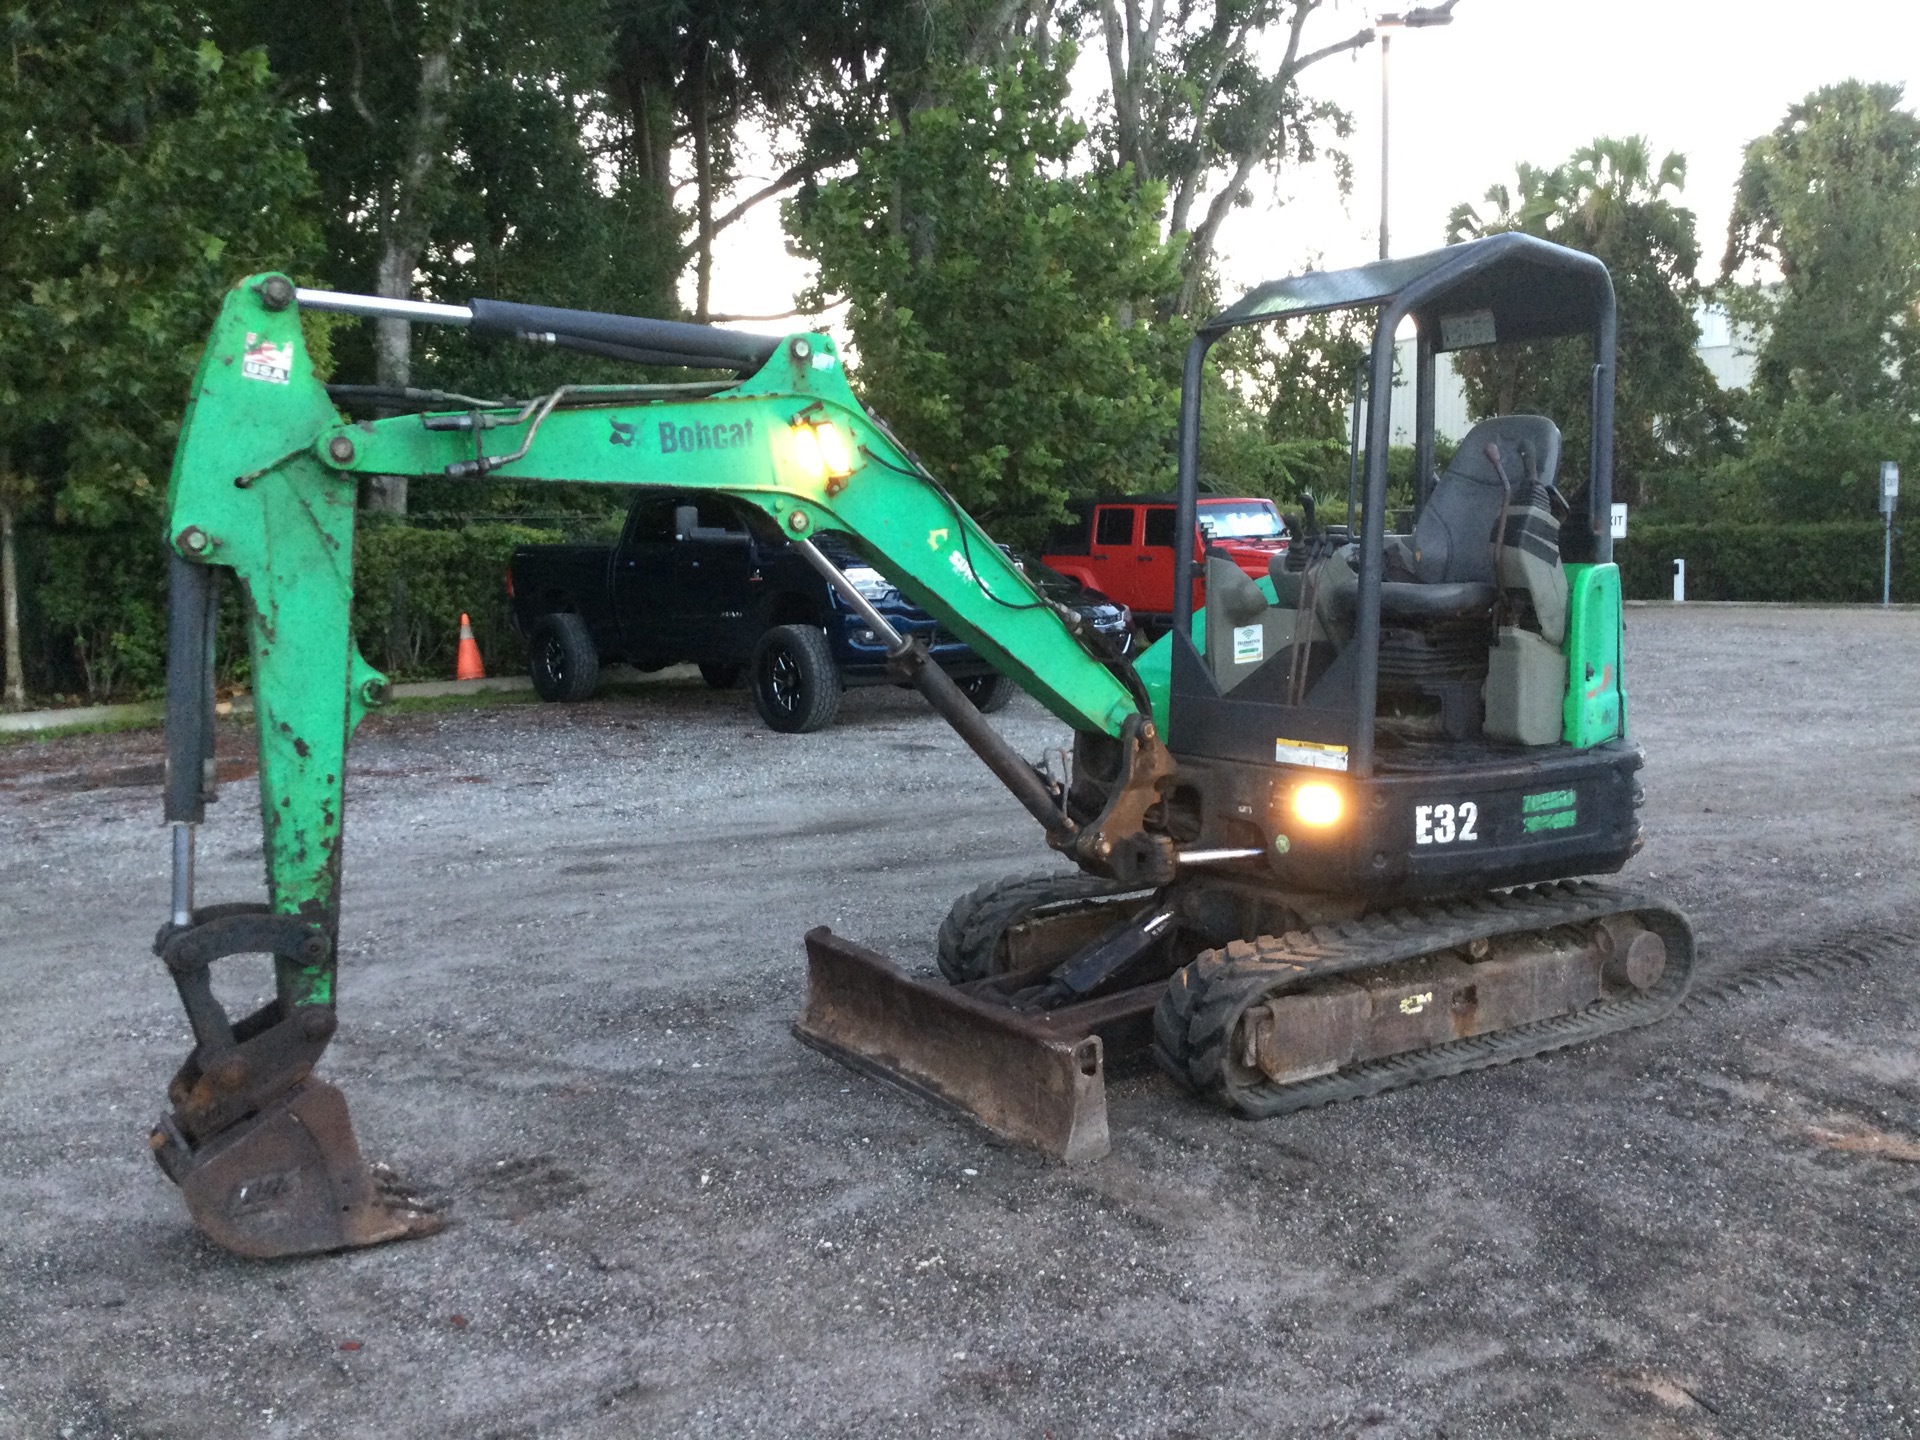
(1889, 497)
(1415, 19)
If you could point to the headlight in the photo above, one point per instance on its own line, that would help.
(1317, 803)
(869, 581)
(835, 452)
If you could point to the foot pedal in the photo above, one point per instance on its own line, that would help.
(289, 1181)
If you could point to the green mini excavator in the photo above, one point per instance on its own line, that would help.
(1326, 834)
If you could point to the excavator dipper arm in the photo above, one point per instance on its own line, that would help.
(263, 490)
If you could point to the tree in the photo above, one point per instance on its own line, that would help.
(145, 170)
(990, 273)
(1199, 106)
(1610, 201)
(1830, 199)
(401, 106)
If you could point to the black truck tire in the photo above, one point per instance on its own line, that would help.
(561, 658)
(721, 677)
(796, 685)
(990, 694)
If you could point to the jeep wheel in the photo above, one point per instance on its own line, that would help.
(796, 685)
(561, 658)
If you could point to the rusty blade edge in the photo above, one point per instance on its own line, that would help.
(1010, 1074)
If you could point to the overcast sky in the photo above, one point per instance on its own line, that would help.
(1509, 80)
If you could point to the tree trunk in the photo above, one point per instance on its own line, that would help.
(703, 189)
(16, 689)
(1257, 138)
(408, 223)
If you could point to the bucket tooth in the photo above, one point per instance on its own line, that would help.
(288, 1181)
(1016, 1074)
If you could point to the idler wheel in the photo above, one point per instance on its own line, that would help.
(1633, 956)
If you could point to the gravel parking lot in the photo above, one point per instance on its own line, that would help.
(571, 951)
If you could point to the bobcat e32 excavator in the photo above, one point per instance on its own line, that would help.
(1326, 829)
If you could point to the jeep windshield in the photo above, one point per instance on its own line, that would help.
(1240, 520)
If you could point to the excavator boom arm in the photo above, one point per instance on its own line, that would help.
(263, 489)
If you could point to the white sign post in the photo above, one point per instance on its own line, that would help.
(1889, 493)
(1679, 581)
(1619, 520)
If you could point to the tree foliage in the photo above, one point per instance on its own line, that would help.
(1000, 296)
(1830, 199)
(1611, 201)
(1204, 96)
(145, 170)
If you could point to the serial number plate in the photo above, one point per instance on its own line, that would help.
(1446, 824)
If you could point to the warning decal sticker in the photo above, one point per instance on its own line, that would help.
(1307, 752)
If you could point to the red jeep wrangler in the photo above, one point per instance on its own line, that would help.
(1124, 548)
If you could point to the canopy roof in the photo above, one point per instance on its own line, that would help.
(1505, 287)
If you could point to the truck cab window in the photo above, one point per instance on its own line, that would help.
(652, 521)
(1114, 526)
(708, 518)
(1159, 526)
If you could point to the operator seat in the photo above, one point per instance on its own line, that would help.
(1451, 569)
(1443, 582)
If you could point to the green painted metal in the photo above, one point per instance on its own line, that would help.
(1596, 705)
(749, 442)
(247, 493)
(1154, 665)
(264, 483)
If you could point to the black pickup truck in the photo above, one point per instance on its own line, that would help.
(697, 577)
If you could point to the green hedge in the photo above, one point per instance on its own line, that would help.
(94, 606)
(411, 585)
(1832, 563)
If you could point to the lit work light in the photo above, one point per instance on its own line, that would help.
(1316, 803)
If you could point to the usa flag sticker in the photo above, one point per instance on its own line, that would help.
(264, 360)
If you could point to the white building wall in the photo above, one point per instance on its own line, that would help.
(1450, 418)
(1727, 349)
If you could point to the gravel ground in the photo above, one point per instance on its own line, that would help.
(571, 950)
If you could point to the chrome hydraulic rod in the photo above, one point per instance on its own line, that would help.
(182, 874)
(1215, 857)
(379, 307)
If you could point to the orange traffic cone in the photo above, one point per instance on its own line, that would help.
(466, 664)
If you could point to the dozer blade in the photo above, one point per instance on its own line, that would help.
(288, 1181)
(1014, 1073)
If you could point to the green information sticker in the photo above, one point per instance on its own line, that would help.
(1549, 810)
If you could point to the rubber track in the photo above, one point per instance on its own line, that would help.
(971, 933)
(1196, 1020)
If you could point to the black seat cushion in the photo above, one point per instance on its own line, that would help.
(1402, 601)
(1458, 532)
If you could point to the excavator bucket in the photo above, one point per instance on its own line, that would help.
(289, 1181)
(1016, 1074)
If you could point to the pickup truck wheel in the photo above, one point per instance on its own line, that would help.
(989, 693)
(721, 677)
(796, 685)
(561, 658)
